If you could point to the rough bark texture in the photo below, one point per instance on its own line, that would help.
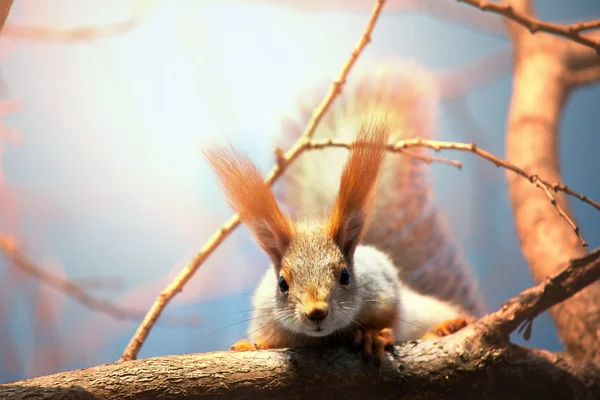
(425, 370)
(540, 90)
(476, 362)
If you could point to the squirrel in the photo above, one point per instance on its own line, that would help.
(367, 258)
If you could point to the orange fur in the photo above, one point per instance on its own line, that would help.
(447, 327)
(359, 178)
(243, 345)
(251, 197)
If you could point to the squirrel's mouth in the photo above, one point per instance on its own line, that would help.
(317, 331)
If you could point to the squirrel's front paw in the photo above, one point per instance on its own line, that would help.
(244, 345)
(447, 327)
(374, 342)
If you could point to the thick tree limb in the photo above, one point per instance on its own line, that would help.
(539, 93)
(418, 371)
(476, 362)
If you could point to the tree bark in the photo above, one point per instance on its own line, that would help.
(418, 370)
(540, 90)
(475, 362)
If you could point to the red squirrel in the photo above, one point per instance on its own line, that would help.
(369, 260)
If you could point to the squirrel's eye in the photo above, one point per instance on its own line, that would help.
(283, 286)
(345, 277)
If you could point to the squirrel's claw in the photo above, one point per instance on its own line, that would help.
(242, 345)
(374, 342)
(245, 345)
(447, 327)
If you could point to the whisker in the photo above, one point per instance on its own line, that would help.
(353, 289)
(255, 295)
(250, 310)
(396, 318)
(247, 336)
(296, 297)
(230, 325)
(269, 338)
(407, 322)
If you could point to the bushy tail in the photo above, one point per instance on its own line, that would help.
(406, 223)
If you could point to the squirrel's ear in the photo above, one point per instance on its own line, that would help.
(350, 232)
(350, 214)
(271, 239)
(251, 197)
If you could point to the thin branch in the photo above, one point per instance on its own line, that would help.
(443, 10)
(581, 57)
(136, 342)
(541, 183)
(431, 159)
(78, 33)
(583, 77)
(336, 88)
(534, 25)
(71, 34)
(9, 247)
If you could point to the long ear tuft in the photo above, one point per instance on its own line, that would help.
(351, 210)
(252, 198)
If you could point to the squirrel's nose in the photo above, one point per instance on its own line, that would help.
(317, 314)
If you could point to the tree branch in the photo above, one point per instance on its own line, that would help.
(540, 91)
(78, 33)
(400, 146)
(9, 247)
(475, 362)
(521, 13)
(582, 57)
(583, 77)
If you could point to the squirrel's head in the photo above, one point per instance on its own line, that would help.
(312, 260)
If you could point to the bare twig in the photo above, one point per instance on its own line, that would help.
(11, 250)
(136, 342)
(78, 33)
(445, 10)
(573, 31)
(541, 183)
(338, 84)
(431, 159)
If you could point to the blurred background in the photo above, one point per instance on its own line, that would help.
(101, 179)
